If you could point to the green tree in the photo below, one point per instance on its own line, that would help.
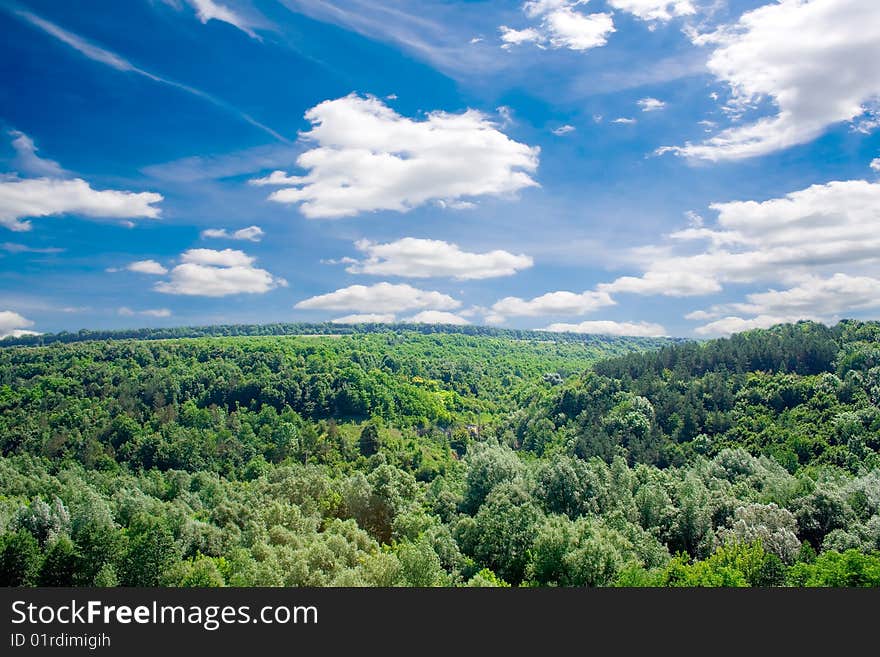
(151, 552)
(368, 443)
(19, 559)
(59, 564)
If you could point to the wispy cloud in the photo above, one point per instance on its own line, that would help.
(27, 160)
(208, 10)
(251, 234)
(111, 59)
(436, 33)
(125, 311)
(11, 247)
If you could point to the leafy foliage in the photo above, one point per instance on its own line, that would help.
(389, 456)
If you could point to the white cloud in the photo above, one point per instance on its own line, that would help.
(651, 104)
(814, 231)
(147, 267)
(224, 258)
(423, 258)
(151, 312)
(815, 61)
(655, 10)
(665, 283)
(209, 273)
(251, 234)
(875, 164)
(11, 247)
(512, 37)
(607, 327)
(208, 10)
(560, 26)
(40, 197)
(79, 44)
(27, 160)
(14, 325)
(437, 317)
(506, 115)
(814, 297)
(365, 318)
(624, 120)
(818, 297)
(156, 312)
(728, 325)
(368, 158)
(380, 298)
(455, 205)
(700, 315)
(276, 178)
(563, 130)
(552, 303)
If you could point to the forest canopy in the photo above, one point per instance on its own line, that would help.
(281, 456)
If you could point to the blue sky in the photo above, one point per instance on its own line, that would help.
(645, 167)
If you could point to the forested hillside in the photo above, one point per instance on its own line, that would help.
(608, 344)
(404, 458)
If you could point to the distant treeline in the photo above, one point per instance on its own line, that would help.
(321, 328)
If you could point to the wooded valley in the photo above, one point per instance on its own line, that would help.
(434, 456)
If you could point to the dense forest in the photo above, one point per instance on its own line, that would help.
(610, 343)
(440, 457)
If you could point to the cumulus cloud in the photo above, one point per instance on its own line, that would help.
(147, 267)
(665, 283)
(437, 317)
(365, 318)
(651, 104)
(563, 130)
(552, 303)
(150, 312)
(560, 25)
(814, 231)
(14, 325)
(815, 297)
(209, 273)
(623, 120)
(732, 324)
(424, 317)
(875, 164)
(380, 298)
(512, 37)
(250, 234)
(26, 158)
(40, 197)
(607, 327)
(367, 157)
(424, 258)
(211, 257)
(816, 62)
(655, 10)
